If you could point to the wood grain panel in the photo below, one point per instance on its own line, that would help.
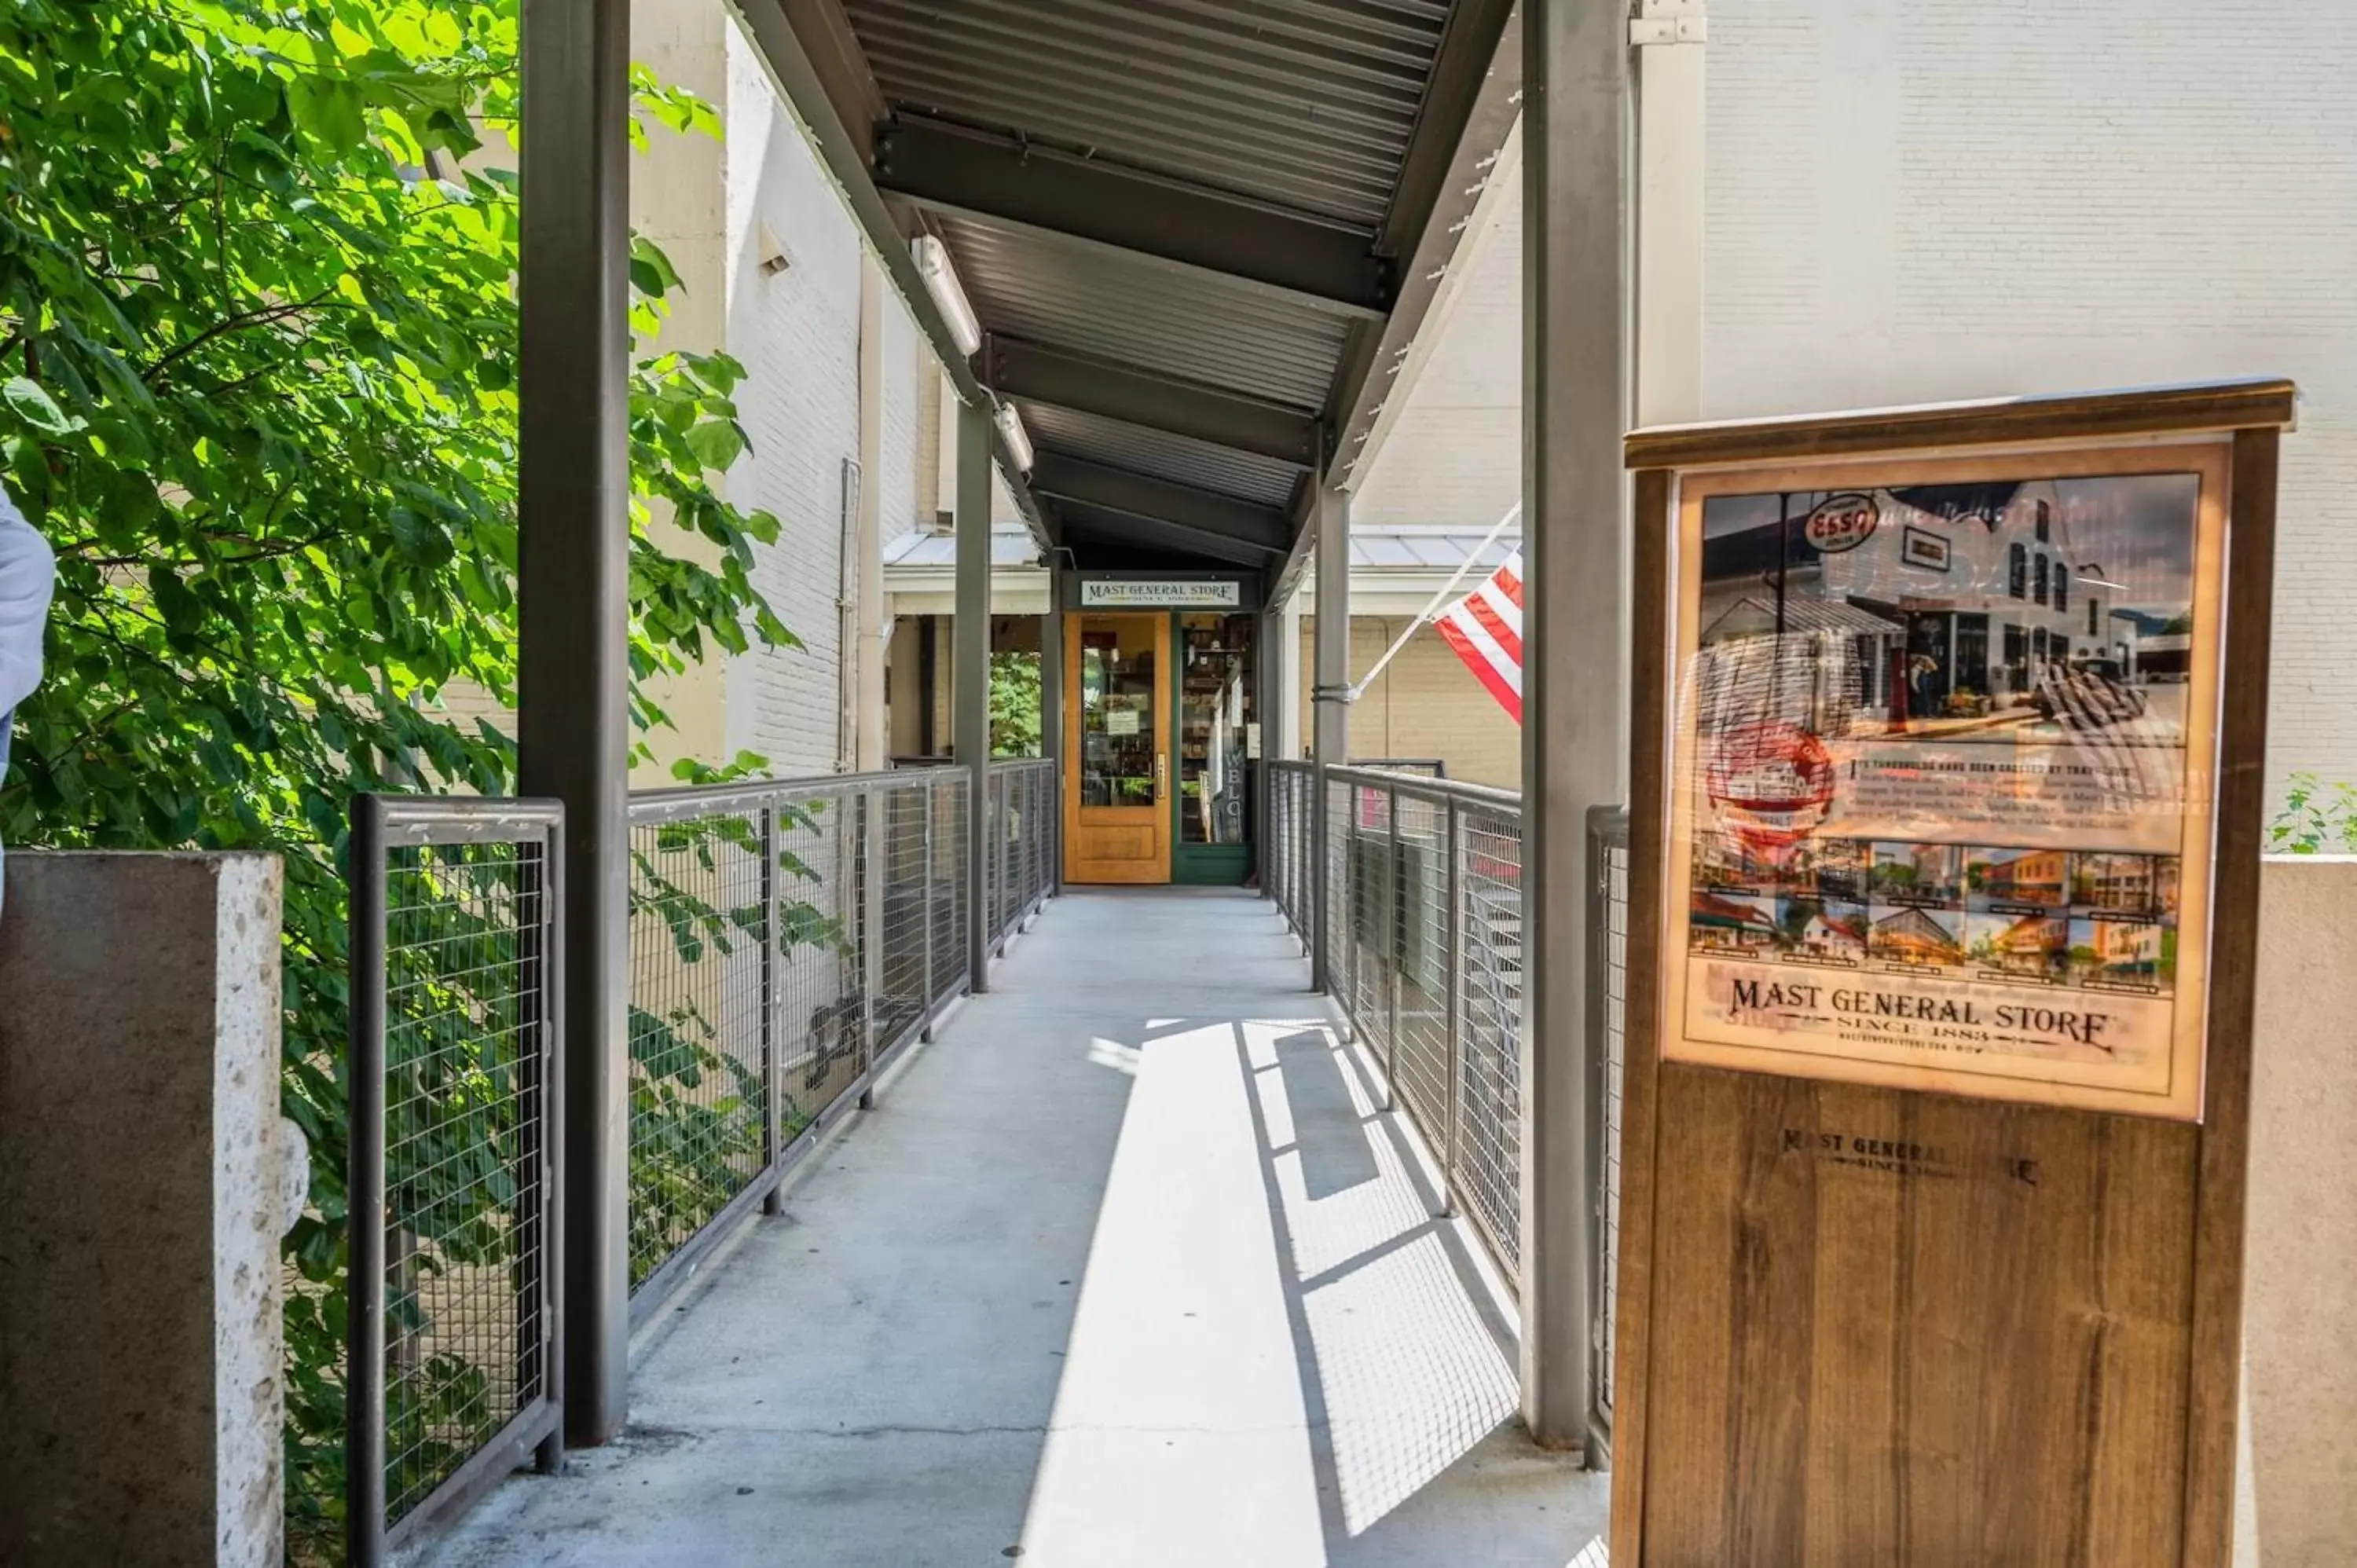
(1895, 1328)
(2083, 416)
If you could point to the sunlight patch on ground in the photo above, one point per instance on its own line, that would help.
(1178, 1433)
(1114, 1054)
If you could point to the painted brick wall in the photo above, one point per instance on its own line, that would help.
(1426, 703)
(797, 334)
(1914, 199)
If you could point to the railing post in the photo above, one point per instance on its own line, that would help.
(1453, 963)
(364, 1377)
(874, 866)
(932, 808)
(1003, 903)
(774, 1077)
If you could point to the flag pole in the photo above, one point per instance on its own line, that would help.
(1358, 688)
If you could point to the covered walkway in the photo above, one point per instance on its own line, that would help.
(1128, 1267)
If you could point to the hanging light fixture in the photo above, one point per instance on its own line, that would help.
(941, 283)
(1019, 440)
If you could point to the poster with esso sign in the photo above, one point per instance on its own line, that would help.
(1942, 798)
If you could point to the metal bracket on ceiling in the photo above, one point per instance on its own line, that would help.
(1668, 22)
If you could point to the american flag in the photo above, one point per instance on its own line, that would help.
(1486, 628)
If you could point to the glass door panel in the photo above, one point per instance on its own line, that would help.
(1118, 692)
(1215, 705)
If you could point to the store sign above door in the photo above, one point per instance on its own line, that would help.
(1161, 593)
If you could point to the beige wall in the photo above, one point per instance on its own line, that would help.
(2300, 1327)
(1424, 703)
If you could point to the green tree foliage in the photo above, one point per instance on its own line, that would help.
(258, 362)
(1015, 704)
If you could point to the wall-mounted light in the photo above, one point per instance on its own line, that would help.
(1019, 440)
(941, 283)
(774, 257)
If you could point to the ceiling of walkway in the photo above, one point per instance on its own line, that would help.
(1197, 234)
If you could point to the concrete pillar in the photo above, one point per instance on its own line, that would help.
(574, 644)
(874, 628)
(573, 721)
(1575, 655)
(970, 672)
(1670, 98)
(1330, 695)
(149, 1177)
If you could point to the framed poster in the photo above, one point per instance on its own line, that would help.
(1941, 762)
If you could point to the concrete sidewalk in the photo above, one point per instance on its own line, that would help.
(1124, 1271)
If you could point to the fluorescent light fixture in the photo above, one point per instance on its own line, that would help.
(941, 283)
(1019, 440)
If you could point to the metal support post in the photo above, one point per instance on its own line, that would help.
(1052, 726)
(970, 671)
(1574, 407)
(572, 722)
(1002, 901)
(773, 1070)
(1332, 692)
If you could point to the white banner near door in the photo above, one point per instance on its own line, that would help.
(1161, 593)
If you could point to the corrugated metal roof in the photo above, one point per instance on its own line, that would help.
(922, 547)
(1178, 459)
(1309, 103)
(1193, 324)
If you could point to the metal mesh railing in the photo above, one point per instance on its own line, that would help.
(1020, 820)
(1423, 901)
(1424, 904)
(455, 1126)
(786, 938)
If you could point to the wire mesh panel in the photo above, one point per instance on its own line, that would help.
(1609, 855)
(1337, 871)
(455, 1127)
(904, 991)
(1418, 960)
(1490, 1113)
(1372, 918)
(704, 895)
(948, 890)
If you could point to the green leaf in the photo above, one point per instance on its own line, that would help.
(34, 407)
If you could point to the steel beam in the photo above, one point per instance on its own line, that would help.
(1574, 620)
(950, 169)
(1428, 227)
(1084, 528)
(1107, 489)
(1331, 694)
(970, 674)
(1016, 369)
(572, 717)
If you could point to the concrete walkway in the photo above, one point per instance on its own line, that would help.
(1124, 1271)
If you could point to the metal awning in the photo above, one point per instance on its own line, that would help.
(1196, 234)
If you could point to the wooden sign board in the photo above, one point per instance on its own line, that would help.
(1947, 784)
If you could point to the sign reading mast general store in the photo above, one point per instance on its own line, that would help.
(1942, 801)
(1160, 593)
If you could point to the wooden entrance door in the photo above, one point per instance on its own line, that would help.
(1118, 749)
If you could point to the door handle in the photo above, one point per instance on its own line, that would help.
(1161, 774)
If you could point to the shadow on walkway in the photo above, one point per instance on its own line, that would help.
(1126, 1269)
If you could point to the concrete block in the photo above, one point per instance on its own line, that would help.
(2300, 1313)
(146, 1172)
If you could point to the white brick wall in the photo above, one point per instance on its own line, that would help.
(1915, 199)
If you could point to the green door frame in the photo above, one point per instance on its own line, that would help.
(1200, 864)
